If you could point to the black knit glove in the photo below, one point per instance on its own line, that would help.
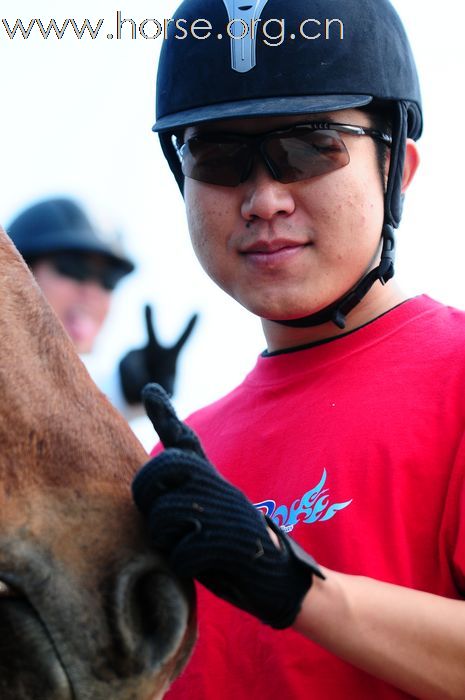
(151, 363)
(210, 531)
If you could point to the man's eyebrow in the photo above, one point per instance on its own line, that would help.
(306, 118)
(322, 118)
(205, 127)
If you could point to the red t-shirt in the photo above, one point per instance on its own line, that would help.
(356, 447)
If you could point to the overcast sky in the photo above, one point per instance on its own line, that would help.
(76, 119)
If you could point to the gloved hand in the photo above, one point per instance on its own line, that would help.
(210, 531)
(151, 363)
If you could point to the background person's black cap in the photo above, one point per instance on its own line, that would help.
(60, 225)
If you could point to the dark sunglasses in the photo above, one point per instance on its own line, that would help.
(83, 268)
(298, 153)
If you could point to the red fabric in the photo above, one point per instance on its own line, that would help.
(359, 442)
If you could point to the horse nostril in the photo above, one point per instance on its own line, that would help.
(162, 610)
(148, 615)
(7, 591)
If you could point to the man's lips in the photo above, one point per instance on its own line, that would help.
(274, 252)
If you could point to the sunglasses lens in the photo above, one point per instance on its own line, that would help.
(305, 153)
(110, 278)
(296, 154)
(83, 269)
(70, 266)
(215, 162)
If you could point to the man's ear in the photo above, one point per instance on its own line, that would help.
(412, 161)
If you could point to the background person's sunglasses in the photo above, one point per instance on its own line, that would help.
(83, 268)
(298, 153)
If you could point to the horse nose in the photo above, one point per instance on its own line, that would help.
(148, 614)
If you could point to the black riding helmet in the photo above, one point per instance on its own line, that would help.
(334, 54)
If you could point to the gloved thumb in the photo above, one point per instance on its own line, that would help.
(171, 431)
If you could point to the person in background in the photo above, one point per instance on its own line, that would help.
(78, 271)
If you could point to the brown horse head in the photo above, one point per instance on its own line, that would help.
(87, 610)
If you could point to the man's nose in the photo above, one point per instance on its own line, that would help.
(264, 196)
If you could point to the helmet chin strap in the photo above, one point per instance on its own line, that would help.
(338, 310)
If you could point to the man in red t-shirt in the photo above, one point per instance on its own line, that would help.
(292, 140)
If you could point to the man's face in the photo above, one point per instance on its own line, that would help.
(81, 306)
(287, 250)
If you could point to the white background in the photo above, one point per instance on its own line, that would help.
(76, 119)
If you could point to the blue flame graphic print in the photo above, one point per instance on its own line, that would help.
(314, 506)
